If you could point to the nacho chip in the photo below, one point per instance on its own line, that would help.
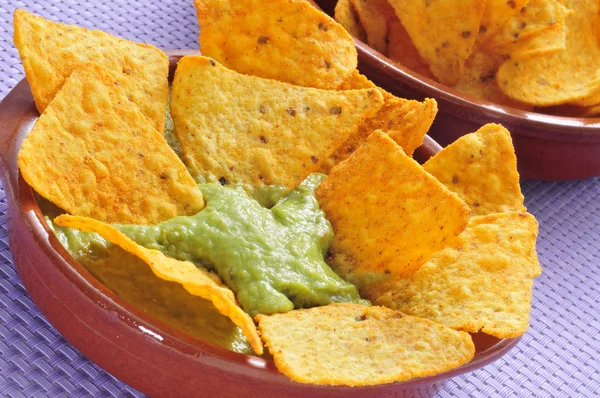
(449, 36)
(374, 17)
(484, 282)
(479, 79)
(402, 50)
(481, 168)
(346, 15)
(354, 345)
(569, 76)
(551, 41)
(94, 154)
(496, 14)
(196, 281)
(277, 135)
(388, 215)
(50, 51)
(290, 41)
(405, 121)
(538, 18)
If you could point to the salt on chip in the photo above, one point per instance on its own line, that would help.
(254, 131)
(402, 50)
(290, 41)
(496, 14)
(569, 76)
(444, 32)
(388, 215)
(482, 283)
(94, 154)
(537, 19)
(50, 51)
(346, 15)
(374, 17)
(196, 281)
(355, 345)
(481, 168)
(405, 121)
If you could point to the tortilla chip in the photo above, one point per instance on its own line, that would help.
(388, 215)
(551, 41)
(497, 14)
(94, 154)
(290, 41)
(536, 19)
(569, 76)
(481, 168)
(277, 135)
(449, 36)
(405, 121)
(374, 16)
(354, 345)
(479, 80)
(50, 51)
(483, 282)
(402, 50)
(346, 15)
(196, 281)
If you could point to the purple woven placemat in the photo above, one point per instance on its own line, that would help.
(558, 357)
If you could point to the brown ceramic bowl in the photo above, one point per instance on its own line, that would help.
(142, 351)
(548, 147)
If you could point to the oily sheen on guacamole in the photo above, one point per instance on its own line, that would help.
(273, 259)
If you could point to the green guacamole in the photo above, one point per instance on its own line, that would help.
(273, 259)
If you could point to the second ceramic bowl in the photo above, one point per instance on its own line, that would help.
(547, 147)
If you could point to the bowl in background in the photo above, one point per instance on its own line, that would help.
(548, 147)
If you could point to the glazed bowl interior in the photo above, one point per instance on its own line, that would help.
(548, 147)
(145, 352)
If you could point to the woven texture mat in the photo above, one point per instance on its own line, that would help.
(558, 357)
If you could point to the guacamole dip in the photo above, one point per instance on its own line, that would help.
(273, 259)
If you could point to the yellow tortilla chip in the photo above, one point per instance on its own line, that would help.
(443, 31)
(374, 16)
(245, 129)
(551, 41)
(50, 51)
(537, 18)
(481, 168)
(496, 14)
(290, 41)
(346, 15)
(483, 282)
(569, 76)
(402, 50)
(94, 154)
(388, 215)
(354, 345)
(196, 281)
(405, 121)
(479, 79)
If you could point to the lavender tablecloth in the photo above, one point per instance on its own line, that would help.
(558, 357)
